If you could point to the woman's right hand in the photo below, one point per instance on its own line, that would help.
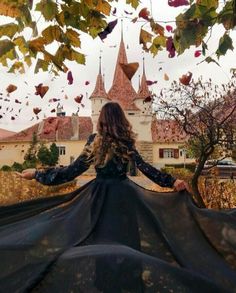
(28, 174)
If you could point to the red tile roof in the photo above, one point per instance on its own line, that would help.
(56, 128)
(122, 90)
(5, 133)
(165, 131)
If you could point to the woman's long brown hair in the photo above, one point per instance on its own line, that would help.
(115, 135)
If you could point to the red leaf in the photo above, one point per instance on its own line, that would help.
(78, 99)
(13, 118)
(54, 100)
(87, 82)
(108, 29)
(129, 69)
(197, 53)
(17, 101)
(36, 110)
(11, 88)
(169, 28)
(70, 77)
(186, 78)
(177, 3)
(41, 90)
(144, 13)
(53, 110)
(147, 99)
(170, 47)
(150, 82)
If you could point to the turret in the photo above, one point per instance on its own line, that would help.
(98, 98)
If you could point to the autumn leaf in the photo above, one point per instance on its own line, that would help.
(78, 99)
(166, 77)
(13, 118)
(129, 69)
(197, 53)
(133, 3)
(144, 38)
(53, 110)
(103, 7)
(41, 90)
(108, 29)
(225, 44)
(186, 78)
(147, 99)
(177, 3)
(150, 82)
(169, 28)
(11, 88)
(9, 30)
(17, 101)
(73, 37)
(48, 9)
(70, 77)
(170, 47)
(87, 82)
(144, 13)
(36, 110)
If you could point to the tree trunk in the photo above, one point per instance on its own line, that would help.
(196, 191)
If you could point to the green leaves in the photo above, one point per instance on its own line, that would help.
(48, 8)
(7, 51)
(8, 30)
(133, 3)
(225, 44)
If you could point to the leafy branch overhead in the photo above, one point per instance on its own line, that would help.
(63, 22)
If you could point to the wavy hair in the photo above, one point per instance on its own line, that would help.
(114, 135)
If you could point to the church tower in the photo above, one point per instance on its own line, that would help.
(98, 98)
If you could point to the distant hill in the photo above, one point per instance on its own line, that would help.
(5, 133)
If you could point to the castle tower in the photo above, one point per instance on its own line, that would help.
(98, 98)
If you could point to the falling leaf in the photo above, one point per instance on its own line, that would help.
(150, 82)
(87, 82)
(108, 29)
(11, 88)
(17, 101)
(129, 69)
(13, 118)
(114, 11)
(127, 12)
(1, 116)
(144, 13)
(197, 53)
(186, 78)
(36, 110)
(53, 110)
(41, 90)
(70, 77)
(166, 77)
(170, 47)
(177, 3)
(134, 19)
(169, 28)
(27, 103)
(66, 97)
(83, 105)
(78, 99)
(147, 99)
(53, 100)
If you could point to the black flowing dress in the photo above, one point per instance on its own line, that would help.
(112, 235)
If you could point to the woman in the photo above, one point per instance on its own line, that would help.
(112, 235)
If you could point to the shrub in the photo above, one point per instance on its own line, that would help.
(17, 167)
(6, 168)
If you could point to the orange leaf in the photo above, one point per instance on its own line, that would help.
(129, 69)
(166, 77)
(144, 13)
(41, 90)
(186, 78)
(36, 110)
(11, 88)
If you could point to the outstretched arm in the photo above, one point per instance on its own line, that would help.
(56, 176)
(161, 178)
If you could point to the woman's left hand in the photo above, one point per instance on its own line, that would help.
(180, 185)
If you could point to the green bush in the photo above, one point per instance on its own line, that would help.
(29, 164)
(6, 168)
(17, 167)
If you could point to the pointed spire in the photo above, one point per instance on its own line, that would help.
(121, 29)
(143, 91)
(99, 90)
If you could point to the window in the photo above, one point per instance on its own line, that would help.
(62, 150)
(131, 113)
(169, 153)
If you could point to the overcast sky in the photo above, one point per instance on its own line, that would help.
(155, 69)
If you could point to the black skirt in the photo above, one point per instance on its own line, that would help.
(112, 235)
